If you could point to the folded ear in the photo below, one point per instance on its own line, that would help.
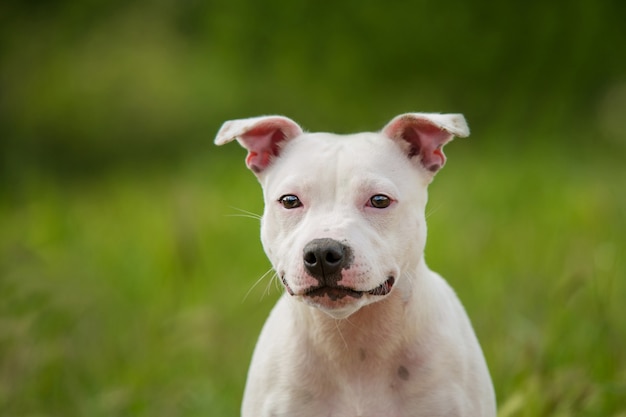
(261, 136)
(424, 135)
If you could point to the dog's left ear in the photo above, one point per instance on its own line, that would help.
(261, 136)
(424, 134)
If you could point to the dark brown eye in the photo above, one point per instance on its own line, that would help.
(290, 201)
(380, 201)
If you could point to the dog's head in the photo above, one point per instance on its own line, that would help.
(344, 219)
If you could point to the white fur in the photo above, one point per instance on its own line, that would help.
(411, 352)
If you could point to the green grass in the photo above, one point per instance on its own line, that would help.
(129, 294)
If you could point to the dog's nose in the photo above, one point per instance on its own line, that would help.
(324, 258)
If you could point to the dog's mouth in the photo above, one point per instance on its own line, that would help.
(338, 292)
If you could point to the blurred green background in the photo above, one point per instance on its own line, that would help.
(127, 275)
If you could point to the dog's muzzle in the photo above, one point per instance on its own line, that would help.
(324, 259)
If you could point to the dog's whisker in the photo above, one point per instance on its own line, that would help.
(277, 283)
(248, 216)
(432, 211)
(268, 286)
(343, 339)
(244, 213)
(351, 323)
(258, 281)
(273, 280)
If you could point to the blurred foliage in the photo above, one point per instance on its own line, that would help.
(88, 84)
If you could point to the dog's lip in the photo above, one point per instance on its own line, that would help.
(384, 288)
(333, 293)
(336, 292)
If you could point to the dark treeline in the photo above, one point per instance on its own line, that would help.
(93, 83)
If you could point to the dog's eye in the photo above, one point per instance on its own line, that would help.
(379, 201)
(290, 201)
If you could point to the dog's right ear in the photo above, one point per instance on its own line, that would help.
(261, 136)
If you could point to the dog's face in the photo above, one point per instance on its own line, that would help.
(344, 214)
(341, 215)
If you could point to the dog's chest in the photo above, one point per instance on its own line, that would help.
(392, 390)
(367, 398)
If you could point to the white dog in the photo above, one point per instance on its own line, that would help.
(364, 327)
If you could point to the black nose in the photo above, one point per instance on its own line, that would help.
(324, 259)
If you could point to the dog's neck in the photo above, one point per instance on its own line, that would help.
(377, 331)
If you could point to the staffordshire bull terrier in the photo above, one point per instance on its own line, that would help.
(364, 327)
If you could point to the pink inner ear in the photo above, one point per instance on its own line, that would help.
(262, 143)
(439, 154)
(425, 139)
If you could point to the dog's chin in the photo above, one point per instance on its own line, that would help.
(337, 308)
(337, 312)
